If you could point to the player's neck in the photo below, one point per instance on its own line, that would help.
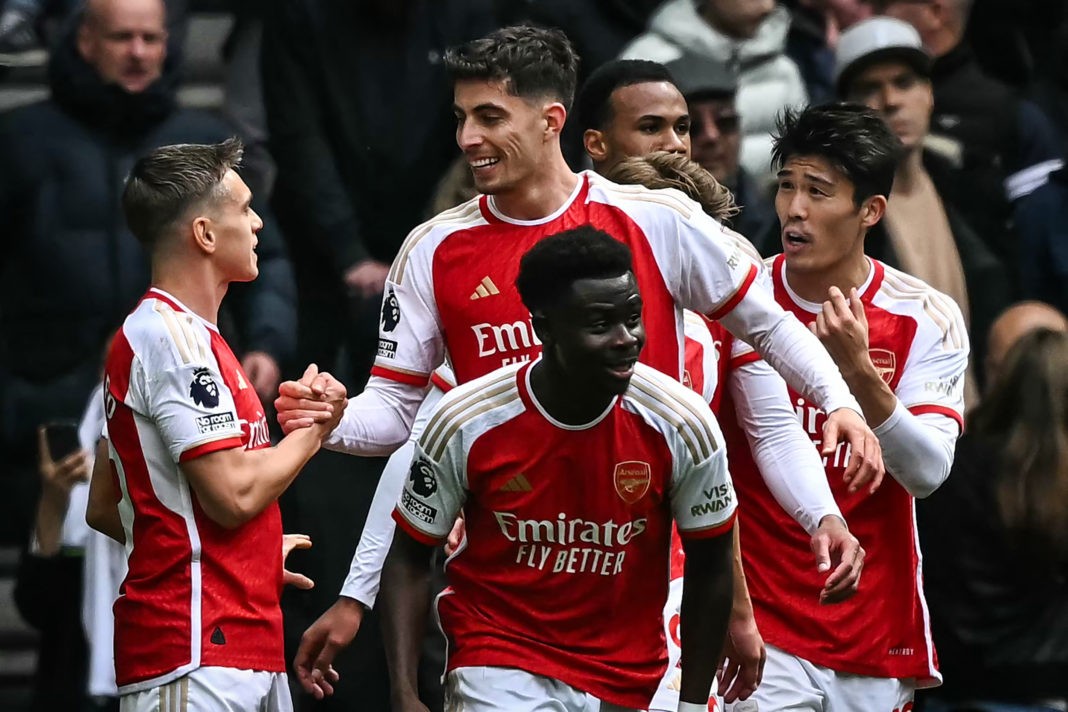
(541, 195)
(813, 286)
(196, 287)
(562, 398)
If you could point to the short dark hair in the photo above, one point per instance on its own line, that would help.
(593, 105)
(170, 180)
(549, 268)
(853, 138)
(532, 61)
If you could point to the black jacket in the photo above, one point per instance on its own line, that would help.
(358, 108)
(986, 278)
(999, 613)
(71, 271)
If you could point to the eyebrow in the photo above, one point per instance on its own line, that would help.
(786, 172)
(489, 106)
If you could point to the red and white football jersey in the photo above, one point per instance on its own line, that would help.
(196, 594)
(451, 291)
(564, 571)
(918, 341)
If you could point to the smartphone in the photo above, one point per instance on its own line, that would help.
(62, 437)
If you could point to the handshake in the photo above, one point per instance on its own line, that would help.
(316, 399)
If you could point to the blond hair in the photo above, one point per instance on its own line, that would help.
(661, 169)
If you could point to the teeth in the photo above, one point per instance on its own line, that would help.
(483, 162)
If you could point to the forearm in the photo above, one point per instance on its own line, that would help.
(706, 606)
(48, 525)
(405, 599)
(102, 510)
(377, 421)
(265, 474)
(790, 349)
(876, 399)
(918, 449)
(784, 453)
(742, 604)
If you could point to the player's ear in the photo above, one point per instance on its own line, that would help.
(541, 327)
(594, 143)
(555, 115)
(203, 236)
(872, 211)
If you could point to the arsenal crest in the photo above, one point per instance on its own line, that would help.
(632, 480)
(885, 362)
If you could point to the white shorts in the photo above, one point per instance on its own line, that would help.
(791, 684)
(215, 689)
(497, 689)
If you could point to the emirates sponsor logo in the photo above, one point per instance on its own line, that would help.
(570, 545)
(631, 479)
(512, 342)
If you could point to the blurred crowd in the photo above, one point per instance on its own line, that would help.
(344, 107)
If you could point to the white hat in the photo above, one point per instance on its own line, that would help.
(877, 38)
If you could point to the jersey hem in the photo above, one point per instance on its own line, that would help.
(925, 408)
(410, 530)
(226, 443)
(709, 532)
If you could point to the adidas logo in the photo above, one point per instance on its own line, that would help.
(485, 288)
(518, 483)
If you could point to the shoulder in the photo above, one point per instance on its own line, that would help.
(935, 313)
(474, 406)
(668, 202)
(425, 238)
(666, 402)
(162, 337)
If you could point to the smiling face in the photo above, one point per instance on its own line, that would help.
(234, 225)
(822, 228)
(644, 117)
(504, 137)
(595, 334)
(902, 97)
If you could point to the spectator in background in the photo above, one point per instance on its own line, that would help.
(1004, 148)
(881, 63)
(710, 89)
(748, 34)
(995, 536)
(71, 268)
(361, 132)
(814, 29)
(1011, 325)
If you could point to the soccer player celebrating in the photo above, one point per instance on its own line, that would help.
(903, 348)
(198, 625)
(450, 294)
(570, 470)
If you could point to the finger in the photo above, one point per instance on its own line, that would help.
(302, 664)
(72, 461)
(291, 578)
(309, 374)
(730, 672)
(821, 548)
(42, 446)
(315, 415)
(320, 383)
(821, 326)
(294, 389)
(745, 683)
(839, 305)
(285, 403)
(830, 437)
(857, 306)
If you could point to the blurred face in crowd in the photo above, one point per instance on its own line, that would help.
(715, 133)
(125, 41)
(739, 19)
(503, 137)
(644, 117)
(846, 13)
(904, 99)
(822, 229)
(921, 14)
(234, 224)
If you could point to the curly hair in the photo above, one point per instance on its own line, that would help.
(662, 169)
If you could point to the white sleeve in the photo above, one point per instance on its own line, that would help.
(789, 347)
(378, 420)
(433, 493)
(919, 437)
(365, 571)
(918, 449)
(787, 458)
(192, 408)
(702, 495)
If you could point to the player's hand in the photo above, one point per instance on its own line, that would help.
(842, 326)
(290, 578)
(311, 400)
(263, 372)
(865, 466)
(366, 278)
(456, 536)
(741, 666)
(321, 643)
(839, 552)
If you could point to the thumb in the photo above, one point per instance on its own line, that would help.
(823, 555)
(830, 437)
(42, 445)
(309, 374)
